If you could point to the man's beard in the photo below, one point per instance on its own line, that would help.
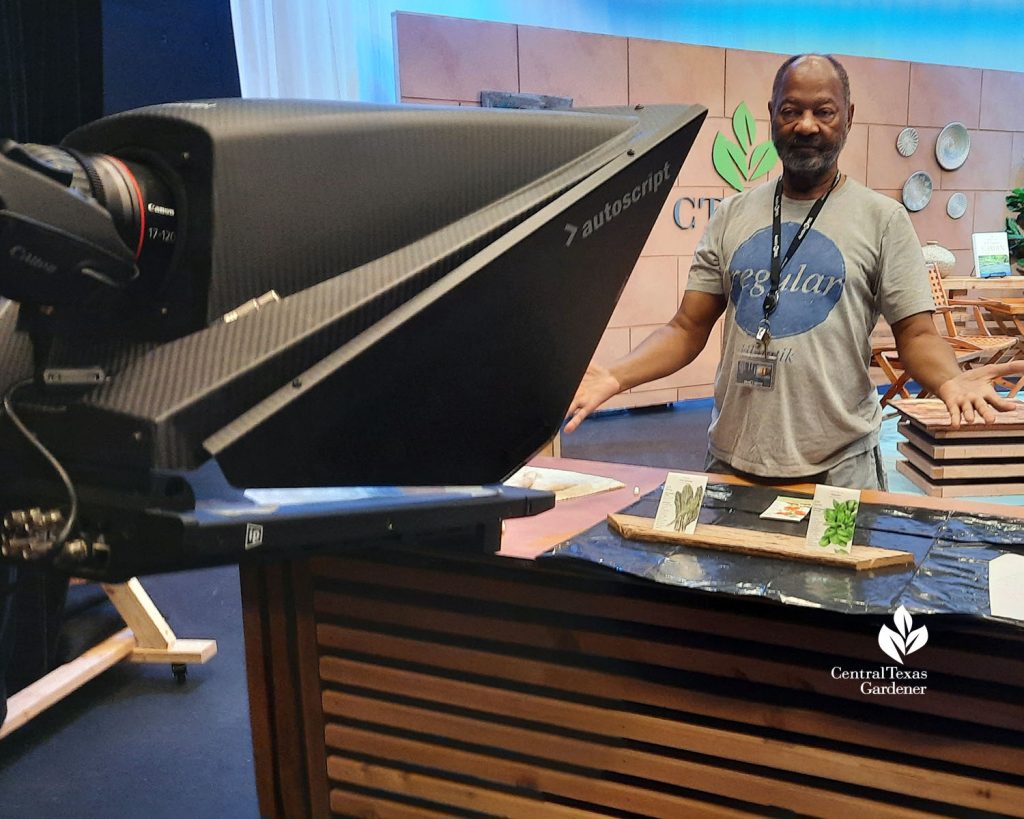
(808, 162)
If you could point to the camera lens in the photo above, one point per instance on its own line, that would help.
(139, 202)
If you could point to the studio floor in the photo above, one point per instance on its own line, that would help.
(133, 743)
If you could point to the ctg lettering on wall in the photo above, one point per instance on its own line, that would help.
(686, 208)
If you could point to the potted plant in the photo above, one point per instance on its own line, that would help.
(1015, 226)
(1015, 202)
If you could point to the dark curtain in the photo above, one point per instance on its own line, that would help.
(51, 72)
(51, 81)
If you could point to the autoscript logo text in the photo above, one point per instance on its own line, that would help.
(611, 209)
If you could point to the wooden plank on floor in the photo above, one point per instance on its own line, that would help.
(179, 651)
(44, 692)
(763, 544)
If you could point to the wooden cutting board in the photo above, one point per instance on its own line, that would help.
(764, 544)
(931, 414)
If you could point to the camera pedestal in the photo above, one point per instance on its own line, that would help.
(146, 638)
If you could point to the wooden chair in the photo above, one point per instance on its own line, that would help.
(969, 350)
(996, 347)
(887, 359)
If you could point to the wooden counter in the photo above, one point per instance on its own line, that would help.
(408, 683)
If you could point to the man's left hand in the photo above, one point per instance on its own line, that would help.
(971, 396)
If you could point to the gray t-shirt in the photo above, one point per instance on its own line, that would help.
(811, 403)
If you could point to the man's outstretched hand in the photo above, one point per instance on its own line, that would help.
(971, 396)
(597, 386)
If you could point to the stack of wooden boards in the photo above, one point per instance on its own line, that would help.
(977, 459)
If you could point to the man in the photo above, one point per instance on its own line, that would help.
(801, 294)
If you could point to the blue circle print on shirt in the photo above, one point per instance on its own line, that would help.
(810, 285)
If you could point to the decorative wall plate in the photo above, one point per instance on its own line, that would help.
(917, 191)
(956, 205)
(906, 141)
(952, 146)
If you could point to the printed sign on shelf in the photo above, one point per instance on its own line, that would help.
(833, 516)
(791, 509)
(680, 502)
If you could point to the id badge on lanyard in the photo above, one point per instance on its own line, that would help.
(756, 371)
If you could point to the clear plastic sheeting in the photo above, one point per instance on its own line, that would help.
(951, 552)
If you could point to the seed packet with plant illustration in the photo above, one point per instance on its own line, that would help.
(680, 502)
(833, 517)
(785, 508)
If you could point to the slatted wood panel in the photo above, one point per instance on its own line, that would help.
(931, 414)
(456, 686)
(971, 466)
(958, 488)
(1003, 448)
(977, 459)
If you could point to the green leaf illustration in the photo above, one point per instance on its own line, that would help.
(744, 127)
(762, 160)
(729, 160)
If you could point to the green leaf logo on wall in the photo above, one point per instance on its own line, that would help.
(740, 163)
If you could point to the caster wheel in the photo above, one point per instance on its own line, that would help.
(180, 672)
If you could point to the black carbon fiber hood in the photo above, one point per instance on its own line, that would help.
(446, 275)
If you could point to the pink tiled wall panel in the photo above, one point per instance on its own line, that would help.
(662, 72)
(855, 155)
(748, 78)
(1017, 160)
(650, 295)
(590, 68)
(944, 93)
(446, 59)
(880, 90)
(933, 225)
(1002, 101)
(987, 167)
(613, 344)
(989, 211)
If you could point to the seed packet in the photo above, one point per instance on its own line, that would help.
(784, 508)
(833, 517)
(680, 502)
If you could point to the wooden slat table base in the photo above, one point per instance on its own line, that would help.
(448, 686)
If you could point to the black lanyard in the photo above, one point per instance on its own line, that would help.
(771, 301)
